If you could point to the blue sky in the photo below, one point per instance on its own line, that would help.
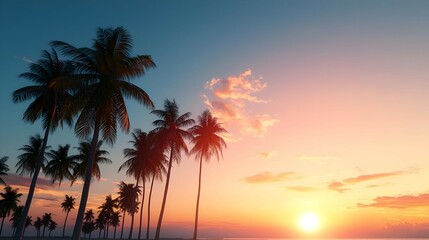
(344, 80)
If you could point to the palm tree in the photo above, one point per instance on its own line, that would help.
(109, 67)
(8, 203)
(38, 224)
(108, 209)
(100, 222)
(207, 143)
(67, 206)
(88, 226)
(83, 157)
(172, 137)
(60, 165)
(46, 220)
(52, 103)
(15, 218)
(3, 168)
(27, 224)
(52, 226)
(141, 161)
(27, 160)
(114, 221)
(128, 195)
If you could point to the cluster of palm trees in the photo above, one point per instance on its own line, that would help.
(90, 88)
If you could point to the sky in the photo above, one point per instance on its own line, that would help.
(325, 103)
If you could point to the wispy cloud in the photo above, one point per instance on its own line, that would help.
(267, 177)
(267, 154)
(404, 201)
(340, 186)
(25, 59)
(302, 189)
(228, 102)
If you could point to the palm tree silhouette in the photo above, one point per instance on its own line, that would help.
(172, 137)
(15, 218)
(52, 104)
(60, 165)
(27, 160)
(142, 160)
(52, 226)
(207, 143)
(67, 206)
(108, 210)
(128, 195)
(4, 168)
(89, 221)
(115, 221)
(8, 203)
(37, 225)
(83, 157)
(46, 220)
(100, 222)
(27, 224)
(109, 67)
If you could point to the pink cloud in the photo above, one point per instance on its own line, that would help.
(229, 99)
(404, 201)
(266, 177)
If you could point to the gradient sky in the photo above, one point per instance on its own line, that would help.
(326, 104)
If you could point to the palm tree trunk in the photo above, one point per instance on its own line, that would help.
(65, 221)
(132, 215)
(198, 199)
(131, 228)
(164, 199)
(114, 233)
(19, 235)
(50, 233)
(123, 221)
(43, 233)
(99, 233)
(141, 210)
(90, 233)
(2, 221)
(107, 230)
(87, 183)
(148, 208)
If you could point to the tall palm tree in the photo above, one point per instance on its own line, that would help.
(15, 218)
(4, 168)
(67, 206)
(115, 221)
(8, 203)
(89, 225)
(27, 160)
(83, 157)
(60, 165)
(46, 220)
(128, 195)
(37, 225)
(142, 159)
(171, 135)
(52, 226)
(109, 67)
(100, 222)
(207, 143)
(52, 94)
(28, 223)
(108, 210)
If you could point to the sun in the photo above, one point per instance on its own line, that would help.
(309, 222)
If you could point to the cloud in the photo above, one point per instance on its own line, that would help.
(267, 154)
(339, 186)
(228, 102)
(19, 181)
(267, 177)
(404, 201)
(25, 59)
(302, 189)
(363, 178)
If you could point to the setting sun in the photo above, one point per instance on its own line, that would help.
(309, 222)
